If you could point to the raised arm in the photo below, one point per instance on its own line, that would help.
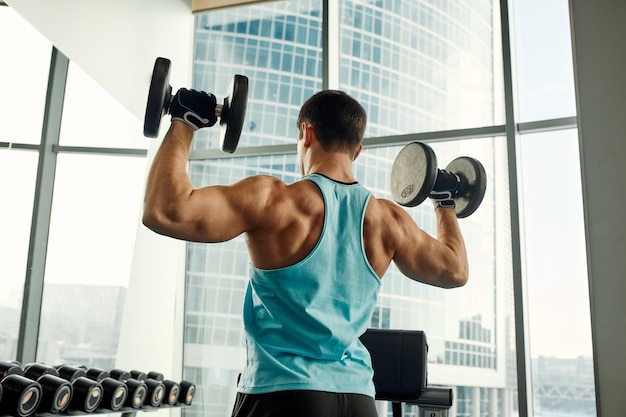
(172, 206)
(440, 261)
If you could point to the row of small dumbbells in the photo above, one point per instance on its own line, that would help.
(40, 388)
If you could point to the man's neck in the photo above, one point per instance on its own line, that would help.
(334, 165)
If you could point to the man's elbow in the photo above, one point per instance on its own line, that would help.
(155, 219)
(149, 220)
(460, 281)
(457, 272)
(457, 279)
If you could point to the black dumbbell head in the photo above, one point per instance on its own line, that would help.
(137, 393)
(187, 392)
(114, 394)
(70, 372)
(233, 113)
(156, 392)
(97, 374)
(413, 174)
(56, 394)
(172, 391)
(138, 375)
(36, 370)
(120, 375)
(10, 368)
(472, 184)
(20, 396)
(156, 376)
(87, 395)
(159, 97)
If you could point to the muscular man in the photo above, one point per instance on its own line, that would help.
(318, 250)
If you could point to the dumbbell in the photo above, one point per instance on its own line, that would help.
(159, 387)
(19, 396)
(155, 387)
(86, 393)
(97, 374)
(89, 393)
(231, 113)
(187, 392)
(56, 392)
(70, 372)
(136, 390)
(114, 391)
(10, 368)
(172, 392)
(414, 174)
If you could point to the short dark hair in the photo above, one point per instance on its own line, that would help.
(338, 120)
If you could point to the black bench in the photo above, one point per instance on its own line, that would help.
(399, 359)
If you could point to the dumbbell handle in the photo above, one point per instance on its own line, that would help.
(218, 110)
(218, 107)
(446, 181)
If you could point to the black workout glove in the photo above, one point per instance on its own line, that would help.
(445, 189)
(196, 108)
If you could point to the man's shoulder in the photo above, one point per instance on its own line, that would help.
(262, 182)
(266, 187)
(383, 209)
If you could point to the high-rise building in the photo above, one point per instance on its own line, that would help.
(415, 67)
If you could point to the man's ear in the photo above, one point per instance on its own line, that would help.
(358, 152)
(308, 133)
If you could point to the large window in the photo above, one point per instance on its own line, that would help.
(92, 235)
(559, 326)
(24, 75)
(86, 207)
(95, 209)
(544, 60)
(417, 67)
(15, 220)
(558, 295)
(421, 66)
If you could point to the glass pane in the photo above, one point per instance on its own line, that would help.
(24, 73)
(472, 344)
(421, 66)
(545, 73)
(93, 118)
(277, 45)
(95, 210)
(556, 276)
(18, 170)
(473, 340)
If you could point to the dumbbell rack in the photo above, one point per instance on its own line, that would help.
(39, 390)
(125, 411)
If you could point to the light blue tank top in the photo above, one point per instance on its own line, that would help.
(303, 321)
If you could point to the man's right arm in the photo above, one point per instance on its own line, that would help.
(173, 207)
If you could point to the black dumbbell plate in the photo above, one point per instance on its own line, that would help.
(472, 186)
(159, 97)
(413, 174)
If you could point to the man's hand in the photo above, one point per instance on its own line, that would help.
(195, 108)
(444, 197)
